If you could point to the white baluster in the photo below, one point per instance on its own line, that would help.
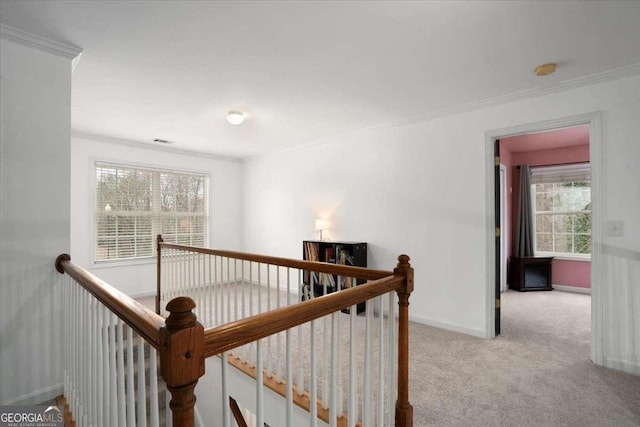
(219, 313)
(391, 397)
(269, 348)
(74, 354)
(200, 306)
(228, 290)
(142, 398)
(226, 416)
(251, 312)
(131, 400)
(100, 362)
(67, 337)
(82, 414)
(122, 413)
(191, 277)
(259, 302)
(113, 386)
(84, 386)
(235, 288)
(289, 379)
(352, 411)
(211, 287)
(380, 401)
(184, 279)
(325, 361)
(300, 380)
(243, 350)
(313, 378)
(333, 394)
(366, 389)
(339, 389)
(105, 366)
(279, 335)
(153, 388)
(259, 385)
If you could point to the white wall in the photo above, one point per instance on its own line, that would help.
(225, 204)
(34, 219)
(420, 189)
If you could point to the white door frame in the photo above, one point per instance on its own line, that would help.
(594, 120)
(503, 228)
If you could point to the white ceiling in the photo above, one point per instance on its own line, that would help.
(306, 71)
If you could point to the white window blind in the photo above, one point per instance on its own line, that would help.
(133, 205)
(562, 205)
(558, 174)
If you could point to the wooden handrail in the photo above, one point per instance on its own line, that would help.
(321, 267)
(142, 320)
(234, 334)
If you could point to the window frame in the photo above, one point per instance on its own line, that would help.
(145, 260)
(559, 170)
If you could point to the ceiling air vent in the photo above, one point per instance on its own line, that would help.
(162, 141)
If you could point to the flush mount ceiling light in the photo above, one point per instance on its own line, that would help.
(235, 117)
(546, 69)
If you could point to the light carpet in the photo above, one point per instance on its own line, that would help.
(537, 373)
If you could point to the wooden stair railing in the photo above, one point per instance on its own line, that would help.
(179, 339)
(183, 344)
(235, 334)
(231, 335)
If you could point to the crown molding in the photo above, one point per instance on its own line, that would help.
(605, 76)
(591, 79)
(150, 146)
(41, 43)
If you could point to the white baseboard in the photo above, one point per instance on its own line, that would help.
(480, 333)
(622, 365)
(573, 289)
(36, 397)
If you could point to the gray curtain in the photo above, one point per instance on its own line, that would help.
(524, 225)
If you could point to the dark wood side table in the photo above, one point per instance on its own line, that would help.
(530, 274)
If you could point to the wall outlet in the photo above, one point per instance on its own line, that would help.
(615, 228)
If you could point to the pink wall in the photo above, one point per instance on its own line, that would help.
(577, 154)
(567, 273)
(571, 273)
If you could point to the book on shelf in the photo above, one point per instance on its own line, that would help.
(311, 251)
(345, 257)
(328, 280)
(329, 254)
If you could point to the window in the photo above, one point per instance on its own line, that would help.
(562, 205)
(133, 205)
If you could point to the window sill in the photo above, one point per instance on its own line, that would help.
(123, 263)
(565, 257)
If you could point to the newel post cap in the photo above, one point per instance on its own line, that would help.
(181, 315)
(405, 269)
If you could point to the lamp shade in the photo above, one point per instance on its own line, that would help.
(322, 224)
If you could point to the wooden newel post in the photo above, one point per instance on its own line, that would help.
(404, 409)
(182, 358)
(158, 268)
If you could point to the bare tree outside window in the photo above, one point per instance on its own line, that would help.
(134, 204)
(563, 217)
